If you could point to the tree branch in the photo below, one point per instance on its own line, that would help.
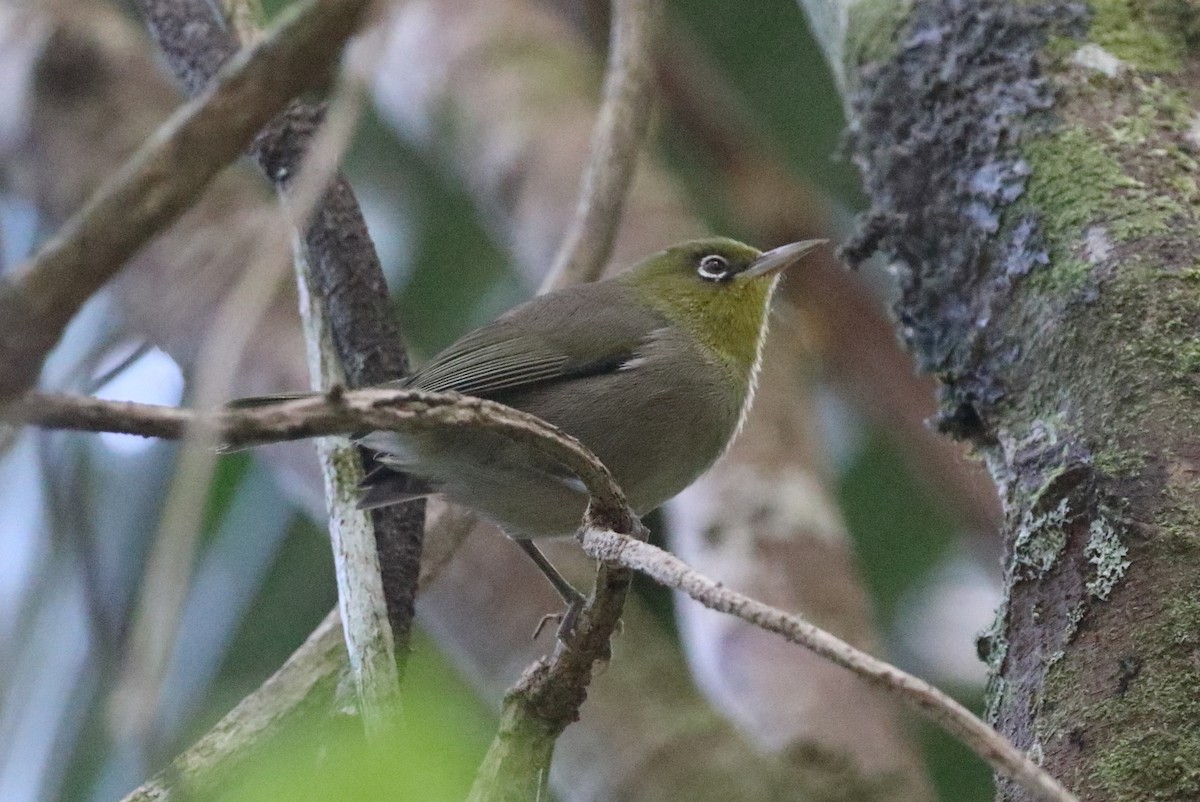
(338, 412)
(670, 571)
(162, 180)
(340, 262)
(616, 143)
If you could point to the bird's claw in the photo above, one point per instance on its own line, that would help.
(566, 620)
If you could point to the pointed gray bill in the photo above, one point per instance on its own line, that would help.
(780, 258)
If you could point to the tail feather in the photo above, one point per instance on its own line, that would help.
(255, 401)
(383, 487)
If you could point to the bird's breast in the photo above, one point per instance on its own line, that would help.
(657, 423)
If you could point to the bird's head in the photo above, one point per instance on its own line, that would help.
(718, 290)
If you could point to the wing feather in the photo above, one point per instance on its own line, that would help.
(593, 331)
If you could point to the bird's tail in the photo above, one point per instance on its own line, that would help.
(254, 401)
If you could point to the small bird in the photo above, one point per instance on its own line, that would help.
(653, 370)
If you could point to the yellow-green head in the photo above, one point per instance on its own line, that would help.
(718, 290)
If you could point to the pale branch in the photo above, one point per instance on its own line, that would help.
(616, 143)
(371, 645)
(162, 180)
(342, 265)
(669, 571)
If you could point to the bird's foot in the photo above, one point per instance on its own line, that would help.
(566, 619)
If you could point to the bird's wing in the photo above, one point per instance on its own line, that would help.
(592, 330)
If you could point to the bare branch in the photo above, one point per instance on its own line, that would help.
(162, 180)
(339, 412)
(668, 570)
(616, 142)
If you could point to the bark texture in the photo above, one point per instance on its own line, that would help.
(1032, 169)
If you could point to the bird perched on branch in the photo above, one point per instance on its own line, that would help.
(652, 369)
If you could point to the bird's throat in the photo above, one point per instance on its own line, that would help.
(729, 324)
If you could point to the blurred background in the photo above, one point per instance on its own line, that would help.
(79, 513)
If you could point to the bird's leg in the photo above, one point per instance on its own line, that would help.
(574, 599)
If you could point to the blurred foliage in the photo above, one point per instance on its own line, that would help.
(454, 276)
(433, 758)
(900, 535)
(779, 71)
(898, 531)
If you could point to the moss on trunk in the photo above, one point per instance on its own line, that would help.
(1033, 169)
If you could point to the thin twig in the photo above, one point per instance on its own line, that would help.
(616, 142)
(669, 571)
(162, 180)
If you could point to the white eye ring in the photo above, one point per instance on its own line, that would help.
(713, 268)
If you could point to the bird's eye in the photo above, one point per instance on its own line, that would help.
(714, 268)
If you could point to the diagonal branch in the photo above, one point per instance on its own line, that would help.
(962, 724)
(162, 180)
(307, 681)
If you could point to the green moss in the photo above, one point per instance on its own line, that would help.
(873, 31)
(1163, 337)
(1077, 181)
(1133, 179)
(1143, 726)
(1140, 33)
(1066, 276)
(1167, 766)
(1072, 181)
(1108, 554)
(1118, 461)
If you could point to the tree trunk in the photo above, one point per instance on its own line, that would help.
(1032, 169)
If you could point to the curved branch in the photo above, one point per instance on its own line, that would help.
(338, 412)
